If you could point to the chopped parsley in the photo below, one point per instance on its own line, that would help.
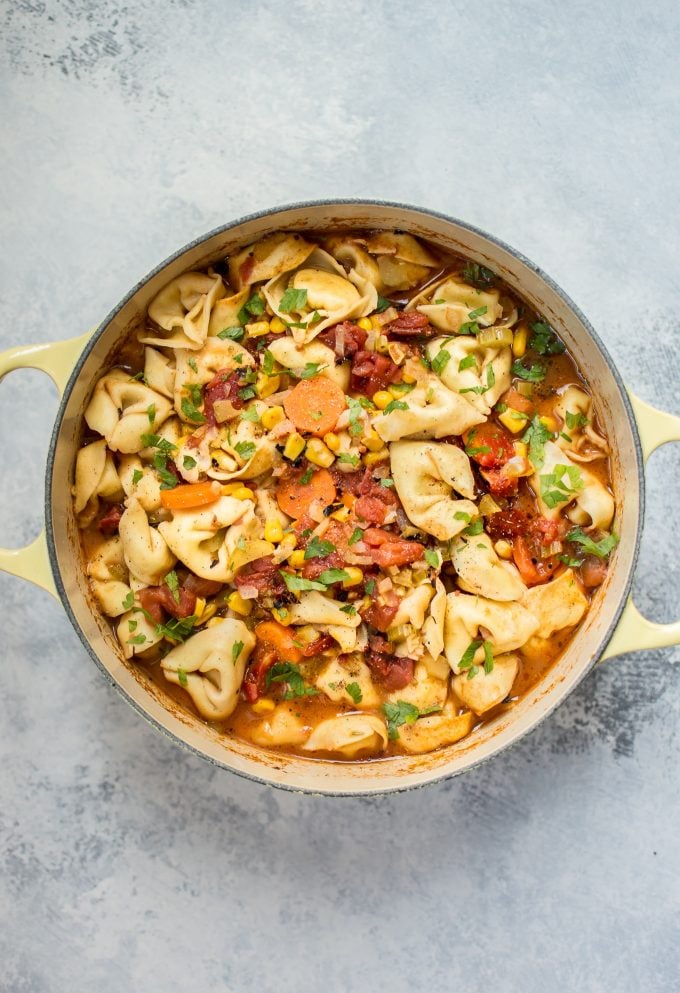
(236, 650)
(432, 558)
(561, 491)
(479, 312)
(306, 477)
(292, 300)
(397, 714)
(234, 334)
(601, 549)
(467, 363)
(354, 690)
(370, 587)
(268, 363)
(478, 275)
(286, 672)
(348, 458)
(355, 416)
(488, 657)
(137, 639)
(245, 449)
(383, 304)
(387, 482)
(182, 677)
(191, 362)
(296, 584)
(136, 476)
(349, 609)
(309, 370)
(357, 535)
(172, 582)
(318, 548)
(441, 360)
(544, 340)
(254, 307)
(534, 374)
(330, 576)
(151, 413)
(395, 405)
(536, 435)
(577, 420)
(188, 462)
(475, 528)
(191, 411)
(250, 414)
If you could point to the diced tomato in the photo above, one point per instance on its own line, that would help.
(489, 445)
(381, 611)
(514, 399)
(386, 548)
(372, 372)
(500, 485)
(533, 569)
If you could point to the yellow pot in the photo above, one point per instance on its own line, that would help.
(612, 626)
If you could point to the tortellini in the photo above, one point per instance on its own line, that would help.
(323, 288)
(351, 735)
(560, 483)
(487, 689)
(282, 727)
(141, 481)
(267, 258)
(433, 627)
(293, 356)
(425, 691)
(249, 453)
(336, 676)
(506, 626)
(481, 374)
(123, 409)
(481, 571)
(351, 255)
(95, 477)
(328, 616)
(109, 576)
(146, 553)
(402, 260)
(436, 730)
(582, 442)
(197, 537)
(137, 634)
(425, 474)
(159, 372)
(183, 309)
(451, 302)
(413, 606)
(431, 411)
(197, 370)
(558, 604)
(210, 666)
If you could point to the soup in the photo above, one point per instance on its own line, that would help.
(343, 495)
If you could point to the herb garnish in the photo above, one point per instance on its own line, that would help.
(292, 300)
(286, 672)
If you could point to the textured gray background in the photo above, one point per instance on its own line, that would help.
(127, 130)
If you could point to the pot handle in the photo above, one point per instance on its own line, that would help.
(634, 632)
(57, 360)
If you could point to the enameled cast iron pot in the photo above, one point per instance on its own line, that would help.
(612, 626)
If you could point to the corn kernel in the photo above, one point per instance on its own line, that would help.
(408, 378)
(549, 422)
(263, 706)
(200, 607)
(276, 325)
(332, 441)
(273, 531)
(519, 341)
(288, 544)
(354, 577)
(396, 352)
(513, 420)
(243, 493)
(372, 458)
(271, 417)
(382, 343)
(257, 329)
(382, 398)
(318, 454)
(240, 606)
(341, 515)
(375, 323)
(214, 621)
(520, 449)
(294, 447)
(282, 615)
(373, 441)
(209, 612)
(297, 558)
(365, 323)
(503, 549)
(266, 385)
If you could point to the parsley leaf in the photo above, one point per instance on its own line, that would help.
(129, 601)
(383, 304)
(357, 535)
(601, 548)
(254, 305)
(137, 639)
(268, 363)
(245, 449)
(370, 587)
(234, 334)
(354, 690)
(395, 405)
(292, 300)
(250, 414)
(182, 677)
(467, 363)
(136, 476)
(286, 672)
(236, 650)
(397, 714)
(191, 411)
(479, 312)
(488, 658)
(432, 558)
(348, 458)
(191, 362)
(535, 374)
(544, 340)
(536, 435)
(355, 416)
(441, 360)
(306, 477)
(478, 275)
(468, 656)
(309, 370)
(475, 528)
(577, 420)
(178, 629)
(188, 462)
(297, 584)
(151, 413)
(330, 576)
(172, 582)
(318, 548)
(562, 490)
(349, 609)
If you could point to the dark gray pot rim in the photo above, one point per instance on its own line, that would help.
(228, 227)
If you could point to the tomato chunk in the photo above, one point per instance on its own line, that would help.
(489, 445)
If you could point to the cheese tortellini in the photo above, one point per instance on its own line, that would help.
(425, 474)
(123, 409)
(561, 484)
(430, 410)
(480, 374)
(451, 303)
(352, 735)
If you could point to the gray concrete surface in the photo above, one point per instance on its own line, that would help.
(127, 130)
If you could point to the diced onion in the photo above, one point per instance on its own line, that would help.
(248, 592)
(526, 389)
(495, 337)
(487, 505)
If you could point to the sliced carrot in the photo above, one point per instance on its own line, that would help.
(279, 638)
(314, 405)
(295, 497)
(191, 495)
(514, 399)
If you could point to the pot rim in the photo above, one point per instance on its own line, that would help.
(301, 205)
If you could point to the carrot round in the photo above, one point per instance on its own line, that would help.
(191, 495)
(279, 638)
(295, 496)
(314, 405)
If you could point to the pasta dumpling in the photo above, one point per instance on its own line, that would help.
(183, 309)
(402, 260)
(351, 255)
(146, 553)
(424, 477)
(433, 626)
(211, 667)
(487, 689)
(582, 442)
(430, 410)
(327, 616)
(558, 604)
(198, 370)
(296, 357)
(281, 727)
(352, 735)
(320, 287)
(352, 671)
(560, 483)
(159, 372)
(137, 634)
(267, 258)
(95, 477)
(506, 626)
(197, 537)
(436, 730)
(481, 374)
(123, 409)
(426, 690)
(109, 576)
(481, 571)
(449, 303)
